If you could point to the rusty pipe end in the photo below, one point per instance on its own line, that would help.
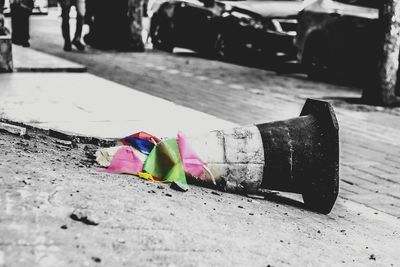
(302, 155)
(321, 189)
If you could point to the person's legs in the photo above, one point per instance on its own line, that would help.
(65, 9)
(89, 20)
(80, 13)
(89, 13)
(16, 24)
(25, 13)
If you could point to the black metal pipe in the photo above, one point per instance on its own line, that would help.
(302, 155)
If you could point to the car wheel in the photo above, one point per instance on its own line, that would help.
(160, 32)
(316, 60)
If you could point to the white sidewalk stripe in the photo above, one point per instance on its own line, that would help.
(236, 86)
(173, 71)
(149, 65)
(256, 91)
(202, 78)
(161, 68)
(216, 81)
(187, 74)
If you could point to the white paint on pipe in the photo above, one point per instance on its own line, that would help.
(234, 156)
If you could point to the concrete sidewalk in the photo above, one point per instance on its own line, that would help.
(29, 60)
(364, 224)
(89, 105)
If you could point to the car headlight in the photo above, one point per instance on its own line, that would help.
(247, 21)
(227, 7)
(287, 26)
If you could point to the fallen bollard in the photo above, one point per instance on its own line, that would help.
(299, 155)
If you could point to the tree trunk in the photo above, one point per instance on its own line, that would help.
(1, 17)
(115, 24)
(135, 14)
(388, 63)
(6, 61)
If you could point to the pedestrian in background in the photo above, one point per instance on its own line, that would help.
(80, 13)
(20, 12)
(90, 13)
(3, 29)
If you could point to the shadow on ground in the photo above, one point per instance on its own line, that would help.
(358, 104)
(279, 65)
(290, 66)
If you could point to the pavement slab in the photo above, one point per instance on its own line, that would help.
(29, 60)
(57, 209)
(88, 105)
(199, 227)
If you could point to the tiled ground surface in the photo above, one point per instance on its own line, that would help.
(363, 226)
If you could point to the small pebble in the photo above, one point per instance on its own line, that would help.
(372, 257)
(96, 259)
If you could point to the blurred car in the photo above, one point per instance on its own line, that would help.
(39, 7)
(338, 37)
(227, 28)
(6, 8)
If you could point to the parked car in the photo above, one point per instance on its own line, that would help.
(338, 37)
(227, 28)
(39, 7)
(6, 8)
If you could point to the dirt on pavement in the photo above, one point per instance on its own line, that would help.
(58, 209)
